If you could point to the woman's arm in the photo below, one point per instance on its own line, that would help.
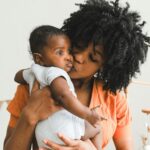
(20, 137)
(123, 138)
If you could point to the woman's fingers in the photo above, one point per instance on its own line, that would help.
(36, 86)
(43, 149)
(67, 140)
(56, 146)
(69, 143)
(51, 144)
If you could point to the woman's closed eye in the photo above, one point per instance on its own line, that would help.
(59, 52)
(75, 52)
(92, 57)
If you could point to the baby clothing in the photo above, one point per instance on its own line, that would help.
(62, 121)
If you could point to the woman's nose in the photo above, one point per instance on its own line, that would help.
(79, 58)
(69, 57)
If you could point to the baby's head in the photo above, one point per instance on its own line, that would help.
(50, 47)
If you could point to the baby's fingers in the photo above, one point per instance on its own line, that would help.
(101, 115)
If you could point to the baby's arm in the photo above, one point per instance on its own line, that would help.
(19, 77)
(25, 76)
(56, 78)
(60, 89)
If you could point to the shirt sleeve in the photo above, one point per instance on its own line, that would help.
(123, 116)
(122, 110)
(53, 73)
(17, 104)
(45, 75)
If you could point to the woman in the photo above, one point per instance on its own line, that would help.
(108, 47)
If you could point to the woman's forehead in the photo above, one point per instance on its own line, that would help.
(91, 47)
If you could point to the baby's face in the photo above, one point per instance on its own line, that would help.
(56, 53)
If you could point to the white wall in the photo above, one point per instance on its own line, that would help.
(19, 17)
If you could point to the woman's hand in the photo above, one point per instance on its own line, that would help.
(69, 144)
(40, 104)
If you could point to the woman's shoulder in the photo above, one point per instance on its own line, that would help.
(23, 87)
(17, 104)
(19, 100)
(22, 90)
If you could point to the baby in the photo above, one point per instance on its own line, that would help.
(50, 48)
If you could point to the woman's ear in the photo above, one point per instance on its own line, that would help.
(38, 58)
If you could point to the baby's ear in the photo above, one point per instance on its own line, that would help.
(38, 58)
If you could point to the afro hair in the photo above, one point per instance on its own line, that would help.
(119, 31)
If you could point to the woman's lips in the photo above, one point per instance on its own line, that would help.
(73, 69)
(76, 67)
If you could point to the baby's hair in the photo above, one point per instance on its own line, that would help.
(39, 36)
(119, 31)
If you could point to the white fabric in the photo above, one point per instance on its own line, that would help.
(29, 78)
(62, 121)
(45, 75)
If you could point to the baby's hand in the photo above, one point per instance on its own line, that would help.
(95, 117)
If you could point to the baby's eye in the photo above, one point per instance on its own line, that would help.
(59, 52)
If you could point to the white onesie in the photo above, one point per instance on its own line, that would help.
(62, 121)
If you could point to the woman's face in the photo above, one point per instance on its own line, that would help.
(87, 62)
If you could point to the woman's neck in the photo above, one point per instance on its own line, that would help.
(83, 84)
(83, 88)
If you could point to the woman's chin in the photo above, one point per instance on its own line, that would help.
(74, 75)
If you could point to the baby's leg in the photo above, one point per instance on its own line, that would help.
(93, 133)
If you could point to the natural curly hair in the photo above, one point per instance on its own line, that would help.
(119, 31)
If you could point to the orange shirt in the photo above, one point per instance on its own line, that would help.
(114, 107)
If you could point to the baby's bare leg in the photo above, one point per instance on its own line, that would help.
(93, 133)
